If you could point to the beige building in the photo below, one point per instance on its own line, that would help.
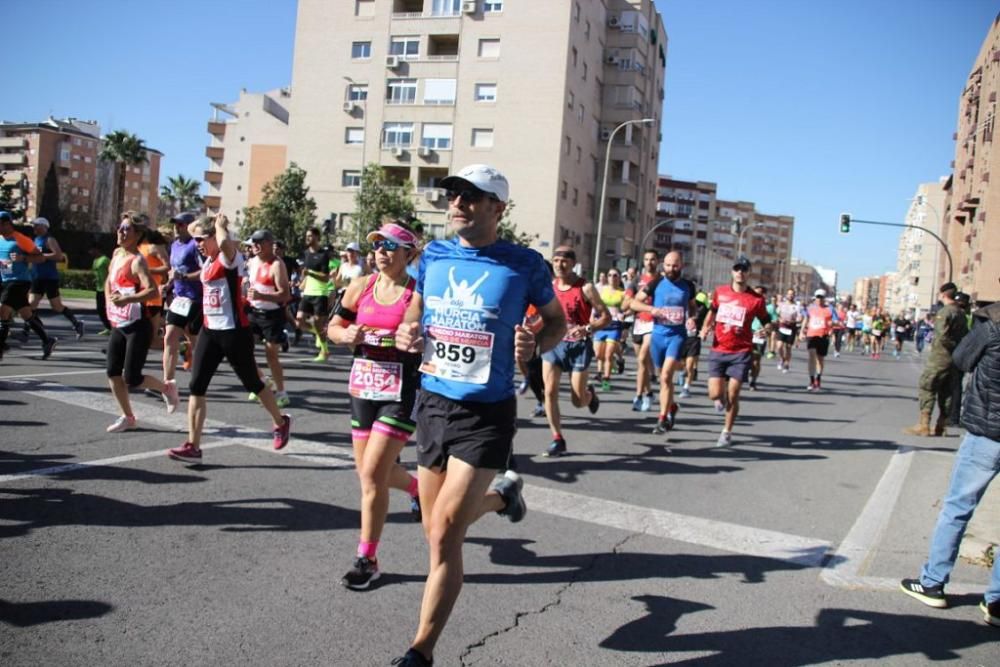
(248, 148)
(920, 257)
(424, 87)
(972, 215)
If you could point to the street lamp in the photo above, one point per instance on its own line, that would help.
(604, 189)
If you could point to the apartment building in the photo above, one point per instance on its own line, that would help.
(248, 148)
(873, 291)
(424, 87)
(972, 214)
(920, 257)
(805, 279)
(72, 146)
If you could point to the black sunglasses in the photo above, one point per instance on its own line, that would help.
(741, 269)
(469, 196)
(388, 246)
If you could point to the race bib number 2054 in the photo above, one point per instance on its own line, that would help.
(457, 354)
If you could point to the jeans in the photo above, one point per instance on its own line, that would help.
(977, 463)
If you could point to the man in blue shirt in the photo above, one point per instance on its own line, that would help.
(45, 276)
(465, 318)
(16, 252)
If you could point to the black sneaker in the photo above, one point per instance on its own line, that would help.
(932, 596)
(413, 658)
(556, 448)
(78, 328)
(661, 427)
(415, 512)
(48, 346)
(621, 366)
(361, 576)
(595, 402)
(991, 612)
(672, 415)
(509, 487)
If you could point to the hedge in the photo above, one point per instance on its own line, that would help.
(77, 279)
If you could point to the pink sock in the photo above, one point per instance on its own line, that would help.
(412, 488)
(367, 549)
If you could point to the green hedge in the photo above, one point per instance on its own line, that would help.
(77, 279)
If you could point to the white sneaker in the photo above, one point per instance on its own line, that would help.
(170, 396)
(725, 439)
(281, 398)
(720, 407)
(123, 423)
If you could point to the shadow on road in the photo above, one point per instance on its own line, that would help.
(26, 614)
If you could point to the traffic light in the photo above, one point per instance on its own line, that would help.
(845, 223)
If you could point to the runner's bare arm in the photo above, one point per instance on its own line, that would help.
(553, 325)
(603, 318)
(408, 335)
(341, 331)
(227, 246)
(55, 251)
(709, 323)
(637, 304)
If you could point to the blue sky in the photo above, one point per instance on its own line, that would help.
(806, 107)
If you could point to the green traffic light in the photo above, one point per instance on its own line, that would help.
(845, 223)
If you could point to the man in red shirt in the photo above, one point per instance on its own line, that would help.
(816, 332)
(732, 312)
(641, 338)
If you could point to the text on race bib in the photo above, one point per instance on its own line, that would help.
(732, 314)
(456, 354)
(376, 380)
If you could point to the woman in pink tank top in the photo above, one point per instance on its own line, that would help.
(383, 385)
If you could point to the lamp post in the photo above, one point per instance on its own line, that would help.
(604, 189)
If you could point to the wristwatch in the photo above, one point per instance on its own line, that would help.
(589, 329)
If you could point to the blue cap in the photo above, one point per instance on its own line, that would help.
(4, 215)
(186, 218)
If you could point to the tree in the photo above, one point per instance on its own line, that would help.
(125, 150)
(7, 200)
(49, 207)
(182, 193)
(380, 198)
(507, 230)
(285, 209)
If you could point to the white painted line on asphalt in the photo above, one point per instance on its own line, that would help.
(693, 530)
(46, 375)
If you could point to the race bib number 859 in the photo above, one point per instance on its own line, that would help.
(456, 354)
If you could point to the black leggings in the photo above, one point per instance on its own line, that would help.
(102, 310)
(233, 345)
(535, 378)
(127, 350)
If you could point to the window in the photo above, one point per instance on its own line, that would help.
(361, 50)
(586, 29)
(446, 8)
(562, 190)
(570, 100)
(364, 8)
(407, 48)
(357, 92)
(354, 135)
(490, 7)
(77, 141)
(576, 196)
(86, 208)
(489, 48)
(72, 207)
(579, 154)
(482, 137)
(397, 135)
(88, 159)
(576, 12)
(351, 179)
(580, 112)
(436, 135)
(73, 191)
(486, 92)
(573, 56)
(567, 144)
(76, 156)
(439, 91)
(401, 91)
(76, 174)
(64, 155)
(584, 71)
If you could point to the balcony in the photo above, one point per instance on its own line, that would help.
(213, 177)
(13, 142)
(212, 201)
(215, 152)
(217, 128)
(15, 159)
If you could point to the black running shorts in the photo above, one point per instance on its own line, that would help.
(480, 434)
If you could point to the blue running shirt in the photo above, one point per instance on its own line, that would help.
(672, 300)
(473, 298)
(46, 270)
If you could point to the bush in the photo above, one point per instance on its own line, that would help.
(77, 279)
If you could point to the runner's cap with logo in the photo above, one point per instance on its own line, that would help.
(482, 176)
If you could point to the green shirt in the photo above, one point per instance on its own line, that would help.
(100, 268)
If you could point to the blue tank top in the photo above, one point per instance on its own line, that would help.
(672, 298)
(46, 270)
(184, 257)
(11, 271)
(473, 298)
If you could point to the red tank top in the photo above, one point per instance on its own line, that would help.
(123, 281)
(263, 282)
(573, 302)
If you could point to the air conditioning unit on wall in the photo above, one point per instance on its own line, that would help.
(469, 6)
(423, 151)
(614, 21)
(397, 151)
(391, 62)
(432, 195)
(349, 106)
(605, 134)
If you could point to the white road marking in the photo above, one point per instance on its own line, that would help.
(46, 375)
(693, 530)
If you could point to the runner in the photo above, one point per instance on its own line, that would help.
(17, 251)
(879, 326)
(225, 334)
(268, 292)
(129, 286)
(184, 314)
(691, 350)
(476, 289)
(839, 327)
(816, 332)
(867, 319)
(788, 327)
(641, 329)
(672, 305)
(45, 276)
(153, 249)
(760, 340)
(852, 322)
(318, 273)
(383, 387)
(772, 340)
(607, 341)
(732, 311)
(99, 266)
(574, 353)
(901, 328)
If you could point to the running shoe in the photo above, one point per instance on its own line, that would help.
(661, 427)
(123, 423)
(647, 403)
(321, 357)
(48, 346)
(539, 410)
(186, 452)
(268, 382)
(672, 415)
(186, 365)
(78, 328)
(991, 612)
(281, 398)
(281, 433)
(509, 487)
(753, 385)
(595, 401)
(685, 392)
(621, 365)
(769, 355)
(836, 355)
(932, 596)
(781, 365)
(725, 439)
(284, 342)
(556, 448)
(637, 404)
(784, 369)
(415, 512)
(811, 386)
(605, 385)
(413, 658)
(170, 396)
(152, 393)
(297, 338)
(720, 407)
(523, 387)
(104, 332)
(361, 576)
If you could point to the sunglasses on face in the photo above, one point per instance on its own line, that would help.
(387, 245)
(124, 228)
(469, 196)
(738, 269)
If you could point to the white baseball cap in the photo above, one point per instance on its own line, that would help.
(820, 292)
(486, 178)
(40, 221)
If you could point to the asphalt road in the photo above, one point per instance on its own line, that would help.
(637, 549)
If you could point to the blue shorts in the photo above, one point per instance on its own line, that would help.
(571, 355)
(612, 333)
(666, 346)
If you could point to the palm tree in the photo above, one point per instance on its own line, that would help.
(182, 193)
(126, 150)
